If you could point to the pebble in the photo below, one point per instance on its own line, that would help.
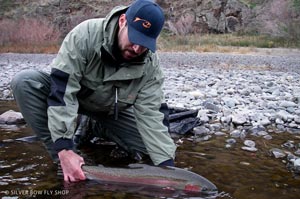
(245, 163)
(251, 149)
(231, 141)
(277, 153)
(297, 163)
(249, 143)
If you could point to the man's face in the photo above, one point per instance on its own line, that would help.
(128, 50)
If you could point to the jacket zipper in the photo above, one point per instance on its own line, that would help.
(116, 105)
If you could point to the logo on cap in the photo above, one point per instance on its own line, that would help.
(145, 23)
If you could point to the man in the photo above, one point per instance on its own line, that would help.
(106, 69)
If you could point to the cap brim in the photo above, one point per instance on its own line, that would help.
(139, 38)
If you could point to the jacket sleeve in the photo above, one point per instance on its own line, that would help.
(155, 136)
(65, 76)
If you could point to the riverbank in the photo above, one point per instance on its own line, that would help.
(257, 88)
(249, 108)
(277, 60)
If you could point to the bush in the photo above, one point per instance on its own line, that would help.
(27, 32)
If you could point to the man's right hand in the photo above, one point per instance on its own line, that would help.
(71, 166)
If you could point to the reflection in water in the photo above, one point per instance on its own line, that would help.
(27, 171)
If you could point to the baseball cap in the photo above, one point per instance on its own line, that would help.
(145, 20)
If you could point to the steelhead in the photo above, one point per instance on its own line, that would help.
(166, 177)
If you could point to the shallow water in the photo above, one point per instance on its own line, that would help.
(26, 170)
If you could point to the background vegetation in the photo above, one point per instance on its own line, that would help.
(38, 35)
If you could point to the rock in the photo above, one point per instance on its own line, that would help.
(297, 164)
(231, 141)
(256, 129)
(196, 94)
(287, 104)
(230, 102)
(202, 114)
(239, 119)
(219, 133)
(11, 117)
(251, 149)
(211, 106)
(249, 143)
(267, 137)
(235, 133)
(297, 119)
(226, 120)
(204, 138)
(200, 131)
(245, 163)
(284, 115)
(277, 153)
(262, 133)
(289, 144)
(297, 152)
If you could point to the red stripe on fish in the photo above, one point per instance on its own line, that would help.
(147, 180)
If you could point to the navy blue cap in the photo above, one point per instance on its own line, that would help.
(145, 21)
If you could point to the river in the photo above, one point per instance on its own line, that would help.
(28, 172)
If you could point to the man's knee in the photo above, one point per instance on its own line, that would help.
(19, 79)
(29, 80)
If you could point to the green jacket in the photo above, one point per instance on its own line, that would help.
(85, 75)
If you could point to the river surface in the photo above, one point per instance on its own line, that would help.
(26, 170)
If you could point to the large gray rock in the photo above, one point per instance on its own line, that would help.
(214, 16)
(276, 18)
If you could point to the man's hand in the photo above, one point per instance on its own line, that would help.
(71, 165)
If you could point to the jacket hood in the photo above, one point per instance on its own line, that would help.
(111, 26)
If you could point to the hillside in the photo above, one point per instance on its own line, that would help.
(55, 18)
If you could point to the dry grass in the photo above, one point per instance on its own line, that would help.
(28, 35)
(223, 43)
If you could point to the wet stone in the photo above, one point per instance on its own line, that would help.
(245, 163)
(219, 133)
(249, 143)
(297, 152)
(235, 133)
(267, 137)
(11, 117)
(211, 106)
(296, 165)
(8, 140)
(200, 130)
(251, 149)
(289, 144)
(277, 153)
(231, 141)
(204, 138)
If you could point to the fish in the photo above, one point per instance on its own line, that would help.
(142, 174)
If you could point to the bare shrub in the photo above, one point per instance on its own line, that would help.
(7, 30)
(27, 31)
